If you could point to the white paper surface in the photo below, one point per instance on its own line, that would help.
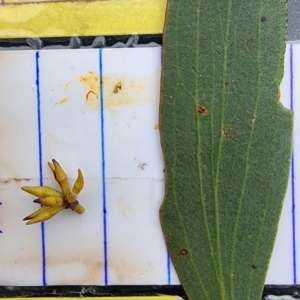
(98, 110)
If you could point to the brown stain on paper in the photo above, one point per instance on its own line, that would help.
(62, 101)
(67, 85)
(127, 265)
(123, 206)
(118, 87)
(125, 91)
(92, 82)
(91, 266)
(124, 266)
(117, 91)
(14, 175)
(5, 181)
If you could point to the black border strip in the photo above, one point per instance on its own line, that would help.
(92, 291)
(123, 290)
(75, 42)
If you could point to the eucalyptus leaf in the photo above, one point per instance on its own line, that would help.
(226, 140)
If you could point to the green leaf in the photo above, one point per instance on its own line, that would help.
(226, 141)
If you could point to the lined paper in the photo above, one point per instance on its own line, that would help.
(98, 110)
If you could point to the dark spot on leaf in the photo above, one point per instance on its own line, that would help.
(202, 109)
(254, 266)
(263, 19)
(183, 252)
(225, 133)
(226, 83)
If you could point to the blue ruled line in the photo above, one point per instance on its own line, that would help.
(104, 212)
(37, 58)
(293, 170)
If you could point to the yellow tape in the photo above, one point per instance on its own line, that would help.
(106, 298)
(44, 18)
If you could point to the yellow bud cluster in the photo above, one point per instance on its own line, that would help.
(52, 200)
